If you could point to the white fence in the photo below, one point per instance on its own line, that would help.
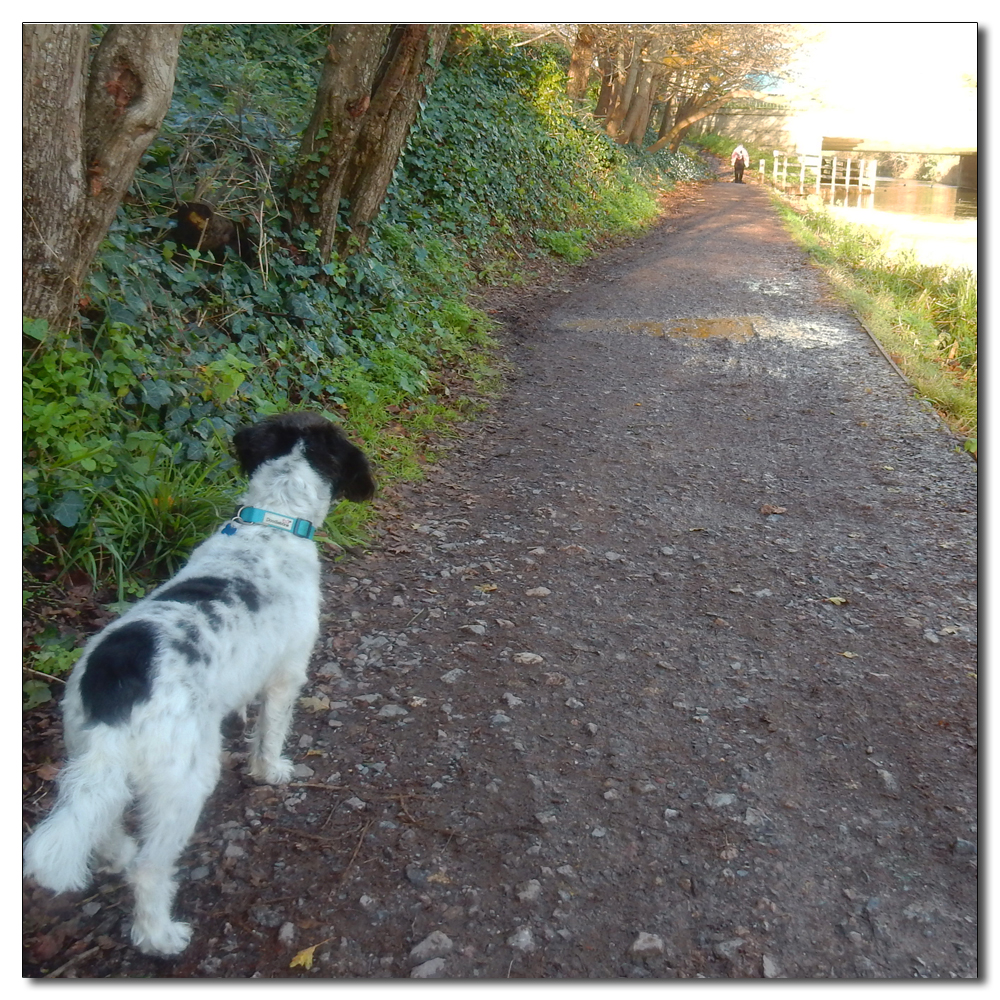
(827, 169)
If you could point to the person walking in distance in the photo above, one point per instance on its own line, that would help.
(739, 159)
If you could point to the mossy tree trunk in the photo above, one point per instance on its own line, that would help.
(408, 69)
(353, 54)
(374, 77)
(85, 125)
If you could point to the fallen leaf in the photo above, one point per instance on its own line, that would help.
(850, 656)
(838, 600)
(486, 588)
(769, 509)
(47, 772)
(305, 957)
(315, 704)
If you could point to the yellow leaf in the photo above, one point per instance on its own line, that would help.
(850, 656)
(304, 958)
(315, 704)
(838, 600)
(487, 588)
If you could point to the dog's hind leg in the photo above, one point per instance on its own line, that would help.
(171, 802)
(117, 849)
(273, 722)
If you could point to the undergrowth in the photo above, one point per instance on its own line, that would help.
(926, 316)
(128, 415)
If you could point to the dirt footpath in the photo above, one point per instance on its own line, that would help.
(668, 669)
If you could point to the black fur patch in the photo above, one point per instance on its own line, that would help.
(119, 673)
(202, 590)
(188, 650)
(247, 593)
(196, 590)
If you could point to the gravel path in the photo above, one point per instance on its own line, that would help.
(668, 669)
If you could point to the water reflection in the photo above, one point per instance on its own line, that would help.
(907, 197)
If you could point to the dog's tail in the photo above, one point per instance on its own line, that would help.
(93, 795)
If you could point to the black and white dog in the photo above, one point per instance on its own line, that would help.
(145, 703)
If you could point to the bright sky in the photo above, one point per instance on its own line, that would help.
(895, 79)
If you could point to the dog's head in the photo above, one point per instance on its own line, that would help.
(324, 445)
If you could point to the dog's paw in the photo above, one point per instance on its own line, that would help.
(167, 938)
(271, 772)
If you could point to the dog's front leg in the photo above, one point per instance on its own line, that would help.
(273, 721)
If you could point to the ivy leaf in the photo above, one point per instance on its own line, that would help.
(68, 508)
(156, 393)
(37, 329)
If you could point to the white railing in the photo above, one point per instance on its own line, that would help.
(825, 169)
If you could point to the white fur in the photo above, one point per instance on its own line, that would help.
(166, 754)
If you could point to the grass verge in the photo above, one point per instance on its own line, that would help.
(925, 316)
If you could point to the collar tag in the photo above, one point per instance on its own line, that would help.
(296, 525)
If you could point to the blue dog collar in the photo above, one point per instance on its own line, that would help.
(255, 515)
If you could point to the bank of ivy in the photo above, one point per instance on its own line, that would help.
(128, 415)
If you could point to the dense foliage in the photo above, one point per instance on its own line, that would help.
(128, 415)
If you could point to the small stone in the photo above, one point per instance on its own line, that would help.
(888, 780)
(500, 720)
(452, 675)
(728, 949)
(538, 592)
(429, 970)
(198, 873)
(612, 795)
(647, 945)
(599, 831)
(286, 933)
(512, 700)
(965, 847)
(522, 939)
(391, 712)
(770, 967)
(719, 800)
(613, 556)
(355, 803)
(527, 659)
(573, 703)
(931, 637)
(669, 814)
(528, 892)
(302, 771)
(591, 728)
(436, 945)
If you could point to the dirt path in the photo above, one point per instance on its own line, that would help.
(667, 670)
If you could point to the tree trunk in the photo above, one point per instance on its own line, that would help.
(581, 61)
(345, 89)
(408, 69)
(82, 140)
(686, 117)
(617, 114)
(604, 98)
(634, 123)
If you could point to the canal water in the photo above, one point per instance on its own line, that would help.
(936, 222)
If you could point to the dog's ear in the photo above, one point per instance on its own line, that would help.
(355, 480)
(325, 445)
